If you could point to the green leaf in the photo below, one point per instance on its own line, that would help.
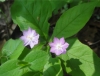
(37, 59)
(2, 0)
(12, 49)
(53, 68)
(73, 20)
(38, 47)
(32, 13)
(27, 50)
(75, 2)
(32, 74)
(56, 5)
(98, 5)
(80, 60)
(10, 68)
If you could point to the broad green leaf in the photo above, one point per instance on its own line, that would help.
(27, 50)
(73, 20)
(10, 68)
(17, 68)
(80, 60)
(75, 2)
(37, 59)
(98, 5)
(32, 13)
(12, 49)
(53, 68)
(56, 5)
(98, 2)
(2, 0)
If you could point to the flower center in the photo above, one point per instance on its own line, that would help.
(29, 37)
(59, 46)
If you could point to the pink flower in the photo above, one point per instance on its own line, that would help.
(30, 37)
(58, 46)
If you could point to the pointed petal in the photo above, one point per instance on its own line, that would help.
(37, 36)
(62, 40)
(29, 30)
(58, 52)
(33, 33)
(64, 51)
(23, 38)
(31, 44)
(56, 40)
(35, 42)
(25, 32)
(52, 44)
(65, 45)
(26, 43)
(53, 50)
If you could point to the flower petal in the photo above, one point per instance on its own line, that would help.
(35, 42)
(26, 43)
(31, 44)
(29, 30)
(64, 51)
(56, 40)
(52, 44)
(33, 33)
(53, 50)
(23, 38)
(58, 52)
(25, 32)
(65, 45)
(37, 36)
(62, 40)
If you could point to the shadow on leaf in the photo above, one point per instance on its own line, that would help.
(73, 65)
(30, 73)
(53, 68)
(96, 65)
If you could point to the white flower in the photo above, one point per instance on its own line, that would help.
(30, 37)
(58, 46)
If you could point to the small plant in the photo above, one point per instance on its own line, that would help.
(49, 54)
